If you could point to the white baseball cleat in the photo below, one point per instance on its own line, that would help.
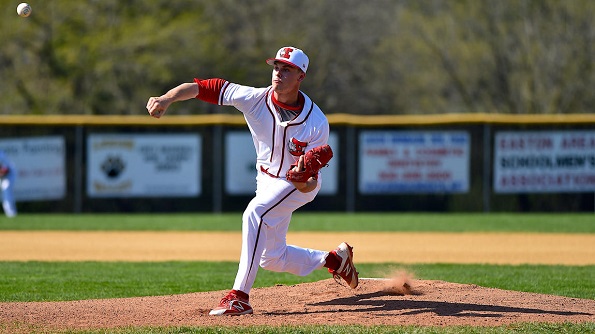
(346, 270)
(232, 304)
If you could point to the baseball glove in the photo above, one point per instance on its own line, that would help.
(314, 160)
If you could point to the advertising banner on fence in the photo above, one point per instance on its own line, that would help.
(139, 165)
(540, 161)
(393, 162)
(240, 159)
(240, 165)
(40, 167)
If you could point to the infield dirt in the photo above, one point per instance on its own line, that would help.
(493, 248)
(374, 302)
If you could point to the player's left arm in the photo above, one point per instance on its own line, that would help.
(320, 140)
(307, 186)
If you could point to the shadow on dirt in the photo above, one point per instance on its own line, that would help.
(378, 302)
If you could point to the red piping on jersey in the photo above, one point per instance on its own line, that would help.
(266, 171)
(302, 99)
(223, 92)
(274, 128)
(285, 135)
(284, 141)
(273, 132)
(301, 102)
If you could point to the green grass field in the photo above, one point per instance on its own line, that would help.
(46, 281)
(370, 222)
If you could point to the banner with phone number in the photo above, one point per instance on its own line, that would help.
(393, 162)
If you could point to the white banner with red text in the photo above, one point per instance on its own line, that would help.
(392, 162)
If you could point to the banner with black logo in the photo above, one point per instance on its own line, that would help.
(139, 165)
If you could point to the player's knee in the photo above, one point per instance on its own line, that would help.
(273, 264)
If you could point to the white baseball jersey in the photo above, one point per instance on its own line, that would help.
(278, 145)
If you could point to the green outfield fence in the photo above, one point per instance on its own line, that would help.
(480, 197)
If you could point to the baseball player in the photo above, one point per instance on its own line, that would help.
(7, 177)
(287, 129)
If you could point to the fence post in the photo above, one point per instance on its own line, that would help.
(216, 164)
(350, 170)
(487, 161)
(79, 141)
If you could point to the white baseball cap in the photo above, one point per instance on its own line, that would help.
(292, 56)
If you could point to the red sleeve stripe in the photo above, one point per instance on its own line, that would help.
(209, 90)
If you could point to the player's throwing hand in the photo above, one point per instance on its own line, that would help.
(156, 106)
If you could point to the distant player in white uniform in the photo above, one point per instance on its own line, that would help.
(7, 178)
(284, 124)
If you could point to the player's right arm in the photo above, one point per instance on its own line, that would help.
(157, 106)
(216, 91)
(208, 90)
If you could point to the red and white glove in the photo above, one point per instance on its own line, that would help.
(314, 160)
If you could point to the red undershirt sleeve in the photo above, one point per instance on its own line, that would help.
(209, 89)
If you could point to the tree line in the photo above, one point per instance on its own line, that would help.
(366, 57)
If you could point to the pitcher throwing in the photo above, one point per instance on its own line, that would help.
(290, 136)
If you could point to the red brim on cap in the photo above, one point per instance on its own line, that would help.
(271, 61)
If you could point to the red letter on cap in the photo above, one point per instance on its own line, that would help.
(287, 52)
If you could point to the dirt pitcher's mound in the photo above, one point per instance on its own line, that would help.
(374, 302)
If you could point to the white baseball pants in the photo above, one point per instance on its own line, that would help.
(264, 228)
